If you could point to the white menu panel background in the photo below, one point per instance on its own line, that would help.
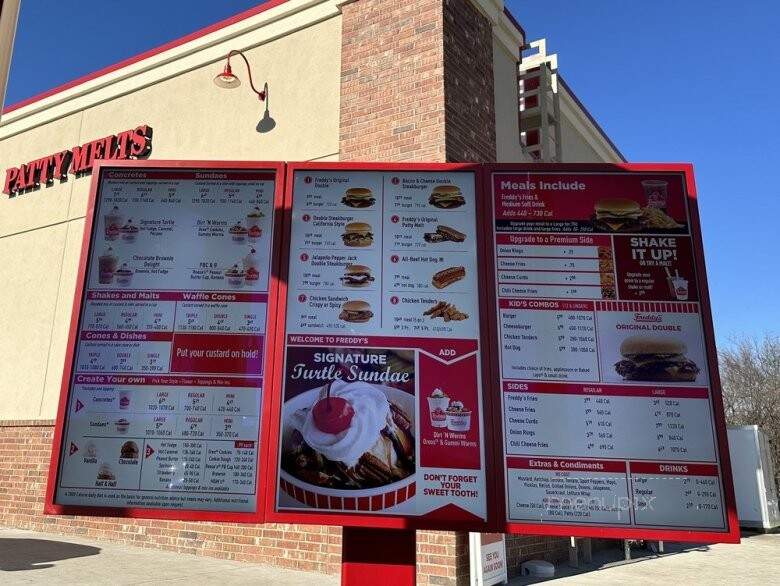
(164, 404)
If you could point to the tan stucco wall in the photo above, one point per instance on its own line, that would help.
(41, 232)
(575, 148)
(508, 149)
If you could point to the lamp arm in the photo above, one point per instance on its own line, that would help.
(260, 94)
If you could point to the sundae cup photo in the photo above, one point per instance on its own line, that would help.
(124, 400)
(122, 425)
(112, 223)
(458, 417)
(253, 219)
(238, 233)
(251, 265)
(356, 437)
(438, 402)
(105, 473)
(124, 275)
(129, 231)
(235, 276)
(107, 264)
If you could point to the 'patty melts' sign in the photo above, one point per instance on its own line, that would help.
(131, 144)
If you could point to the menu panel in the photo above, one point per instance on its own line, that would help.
(168, 375)
(607, 407)
(381, 389)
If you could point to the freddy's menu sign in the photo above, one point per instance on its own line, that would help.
(607, 404)
(381, 409)
(163, 409)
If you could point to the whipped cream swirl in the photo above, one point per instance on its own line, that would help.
(372, 412)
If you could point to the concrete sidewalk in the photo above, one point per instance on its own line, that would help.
(39, 558)
(755, 561)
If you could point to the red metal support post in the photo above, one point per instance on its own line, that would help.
(378, 557)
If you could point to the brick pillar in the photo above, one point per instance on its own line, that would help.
(392, 81)
(417, 85)
(470, 110)
(416, 82)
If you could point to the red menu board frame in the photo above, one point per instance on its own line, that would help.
(365, 518)
(267, 480)
(88, 242)
(731, 534)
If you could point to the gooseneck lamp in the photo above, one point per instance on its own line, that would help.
(228, 80)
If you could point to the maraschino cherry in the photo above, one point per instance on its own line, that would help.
(332, 414)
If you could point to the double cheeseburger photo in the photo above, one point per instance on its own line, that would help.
(617, 215)
(358, 197)
(446, 197)
(656, 359)
(357, 276)
(358, 235)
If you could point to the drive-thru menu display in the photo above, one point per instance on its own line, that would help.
(522, 348)
(381, 409)
(163, 409)
(607, 404)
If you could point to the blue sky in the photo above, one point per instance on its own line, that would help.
(668, 80)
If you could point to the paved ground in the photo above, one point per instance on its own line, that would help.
(755, 561)
(39, 558)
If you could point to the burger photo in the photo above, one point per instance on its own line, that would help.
(617, 215)
(357, 276)
(655, 359)
(358, 197)
(358, 235)
(446, 197)
(356, 312)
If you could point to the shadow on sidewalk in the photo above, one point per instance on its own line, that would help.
(33, 554)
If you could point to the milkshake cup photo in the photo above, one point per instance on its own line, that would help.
(680, 288)
(656, 193)
(437, 405)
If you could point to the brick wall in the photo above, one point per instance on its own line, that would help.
(392, 81)
(470, 110)
(416, 82)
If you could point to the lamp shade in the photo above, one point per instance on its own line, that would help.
(226, 79)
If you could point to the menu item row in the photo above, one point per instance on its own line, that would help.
(608, 492)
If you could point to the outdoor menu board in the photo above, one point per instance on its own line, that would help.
(381, 407)
(162, 409)
(412, 326)
(609, 409)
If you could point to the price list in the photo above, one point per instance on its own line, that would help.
(608, 414)
(164, 407)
